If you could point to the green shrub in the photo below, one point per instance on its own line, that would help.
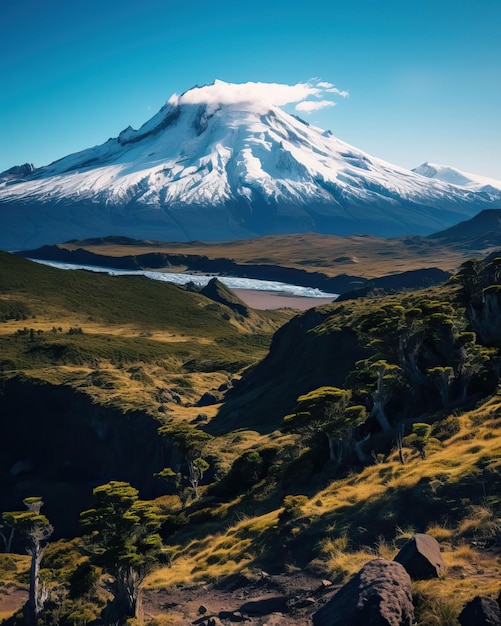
(83, 579)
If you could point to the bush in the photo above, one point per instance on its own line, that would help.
(447, 428)
(292, 508)
(83, 579)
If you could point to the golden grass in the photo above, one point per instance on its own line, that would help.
(236, 548)
(362, 256)
(338, 560)
(216, 556)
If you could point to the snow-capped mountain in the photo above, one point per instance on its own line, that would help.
(218, 170)
(453, 176)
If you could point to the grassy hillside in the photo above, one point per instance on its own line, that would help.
(63, 324)
(83, 353)
(404, 388)
(338, 522)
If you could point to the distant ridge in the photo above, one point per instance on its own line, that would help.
(480, 232)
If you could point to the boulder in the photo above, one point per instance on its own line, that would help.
(210, 397)
(421, 557)
(379, 595)
(234, 616)
(481, 611)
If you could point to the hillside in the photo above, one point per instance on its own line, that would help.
(310, 255)
(357, 425)
(92, 365)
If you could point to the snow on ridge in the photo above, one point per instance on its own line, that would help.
(453, 176)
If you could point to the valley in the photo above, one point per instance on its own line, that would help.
(111, 380)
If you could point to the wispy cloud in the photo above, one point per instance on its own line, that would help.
(263, 94)
(307, 106)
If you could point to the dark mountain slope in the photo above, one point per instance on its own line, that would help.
(310, 351)
(479, 233)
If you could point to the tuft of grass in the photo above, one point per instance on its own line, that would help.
(433, 611)
(480, 524)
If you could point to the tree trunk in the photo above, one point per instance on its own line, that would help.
(361, 456)
(7, 538)
(194, 479)
(37, 593)
(126, 597)
(332, 452)
(380, 415)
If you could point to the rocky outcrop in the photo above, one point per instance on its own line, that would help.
(17, 173)
(481, 611)
(304, 354)
(380, 595)
(421, 557)
(52, 434)
(484, 316)
(216, 291)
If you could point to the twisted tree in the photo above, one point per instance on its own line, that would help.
(122, 538)
(36, 529)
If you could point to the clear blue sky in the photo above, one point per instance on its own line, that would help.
(424, 76)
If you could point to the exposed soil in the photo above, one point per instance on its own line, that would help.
(272, 600)
(12, 598)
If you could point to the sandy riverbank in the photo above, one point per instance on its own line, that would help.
(263, 300)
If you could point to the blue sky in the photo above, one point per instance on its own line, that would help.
(424, 78)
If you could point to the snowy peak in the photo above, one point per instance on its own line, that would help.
(456, 177)
(225, 162)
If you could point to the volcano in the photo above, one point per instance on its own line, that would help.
(203, 169)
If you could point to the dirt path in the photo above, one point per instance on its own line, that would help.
(269, 601)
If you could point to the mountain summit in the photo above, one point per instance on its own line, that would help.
(216, 164)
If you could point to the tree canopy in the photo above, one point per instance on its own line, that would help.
(121, 532)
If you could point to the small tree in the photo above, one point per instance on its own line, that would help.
(419, 438)
(6, 532)
(326, 410)
(442, 378)
(191, 444)
(187, 484)
(37, 529)
(122, 538)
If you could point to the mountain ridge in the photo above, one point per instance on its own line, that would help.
(217, 171)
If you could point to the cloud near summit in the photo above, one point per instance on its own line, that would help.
(263, 94)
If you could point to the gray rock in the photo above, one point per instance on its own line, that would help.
(481, 611)
(421, 557)
(379, 595)
(265, 606)
(210, 397)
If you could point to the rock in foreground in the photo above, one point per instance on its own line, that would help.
(379, 595)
